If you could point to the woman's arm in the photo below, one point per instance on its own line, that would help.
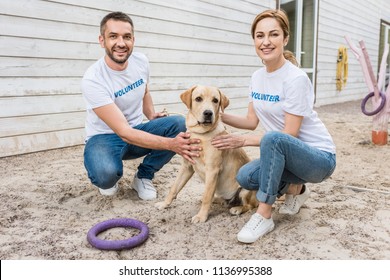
(292, 124)
(250, 121)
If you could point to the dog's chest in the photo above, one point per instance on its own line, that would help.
(208, 158)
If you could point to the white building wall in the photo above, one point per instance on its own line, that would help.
(359, 20)
(46, 46)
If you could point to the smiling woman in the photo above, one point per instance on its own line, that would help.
(282, 99)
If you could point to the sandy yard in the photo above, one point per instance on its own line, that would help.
(48, 205)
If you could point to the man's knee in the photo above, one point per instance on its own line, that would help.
(180, 123)
(105, 178)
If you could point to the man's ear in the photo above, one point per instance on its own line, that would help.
(224, 101)
(101, 41)
(186, 97)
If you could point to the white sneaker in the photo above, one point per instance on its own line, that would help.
(110, 191)
(293, 203)
(255, 228)
(144, 188)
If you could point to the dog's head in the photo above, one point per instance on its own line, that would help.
(204, 104)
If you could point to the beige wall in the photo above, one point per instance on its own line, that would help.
(46, 46)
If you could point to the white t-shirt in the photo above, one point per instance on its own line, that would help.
(102, 86)
(288, 89)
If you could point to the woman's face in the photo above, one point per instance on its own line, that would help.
(269, 42)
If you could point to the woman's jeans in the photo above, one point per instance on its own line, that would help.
(284, 160)
(103, 154)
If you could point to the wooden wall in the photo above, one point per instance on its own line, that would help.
(46, 46)
(360, 22)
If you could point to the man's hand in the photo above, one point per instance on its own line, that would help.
(183, 145)
(159, 115)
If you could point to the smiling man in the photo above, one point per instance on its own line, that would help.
(116, 92)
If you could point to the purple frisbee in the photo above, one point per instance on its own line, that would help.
(118, 244)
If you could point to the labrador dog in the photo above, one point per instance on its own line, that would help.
(217, 168)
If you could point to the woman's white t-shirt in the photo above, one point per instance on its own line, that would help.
(102, 86)
(288, 89)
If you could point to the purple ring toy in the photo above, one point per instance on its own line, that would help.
(117, 244)
(377, 110)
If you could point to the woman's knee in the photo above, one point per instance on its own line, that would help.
(270, 138)
(241, 178)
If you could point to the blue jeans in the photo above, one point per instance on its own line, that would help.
(103, 154)
(284, 160)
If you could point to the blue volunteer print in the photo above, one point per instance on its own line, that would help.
(265, 97)
(129, 88)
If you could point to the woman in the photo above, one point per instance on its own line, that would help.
(296, 148)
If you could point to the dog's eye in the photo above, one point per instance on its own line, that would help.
(198, 99)
(215, 100)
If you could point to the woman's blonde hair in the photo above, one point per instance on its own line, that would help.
(281, 17)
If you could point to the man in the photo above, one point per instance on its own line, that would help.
(117, 96)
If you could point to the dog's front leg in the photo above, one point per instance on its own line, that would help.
(185, 173)
(211, 182)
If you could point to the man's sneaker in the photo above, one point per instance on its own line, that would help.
(110, 191)
(255, 228)
(144, 188)
(293, 203)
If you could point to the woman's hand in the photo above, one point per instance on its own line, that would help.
(228, 141)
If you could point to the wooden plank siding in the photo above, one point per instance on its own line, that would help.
(46, 46)
(360, 22)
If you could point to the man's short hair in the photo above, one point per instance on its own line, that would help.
(119, 16)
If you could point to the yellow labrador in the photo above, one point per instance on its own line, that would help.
(217, 168)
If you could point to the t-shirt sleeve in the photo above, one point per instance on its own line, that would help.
(299, 97)
(95, 94)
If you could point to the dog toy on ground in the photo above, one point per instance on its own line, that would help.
(117, 244)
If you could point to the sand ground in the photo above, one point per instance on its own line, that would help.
(48, 205)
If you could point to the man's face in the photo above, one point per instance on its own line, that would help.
(118, 41)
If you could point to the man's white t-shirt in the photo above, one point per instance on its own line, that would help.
(288, 89)
(102, 86)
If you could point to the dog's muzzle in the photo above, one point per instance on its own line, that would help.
(207, 117)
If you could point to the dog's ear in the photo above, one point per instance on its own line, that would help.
(186, 97)
(224, 101)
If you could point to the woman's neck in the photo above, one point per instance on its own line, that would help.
(272, 66)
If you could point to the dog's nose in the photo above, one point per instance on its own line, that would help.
(208, 114)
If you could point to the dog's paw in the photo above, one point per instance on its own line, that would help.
(161, 205)
(198, 219)
(236, 210)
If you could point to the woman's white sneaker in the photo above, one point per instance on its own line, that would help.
(293, 203)
(255, 228)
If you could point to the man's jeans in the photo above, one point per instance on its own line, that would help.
(103, 154)
(284, 159)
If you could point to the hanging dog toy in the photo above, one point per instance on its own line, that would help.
(380, 100)
(342, 68)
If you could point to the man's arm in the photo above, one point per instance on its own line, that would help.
(115, 119)
(148, 107)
